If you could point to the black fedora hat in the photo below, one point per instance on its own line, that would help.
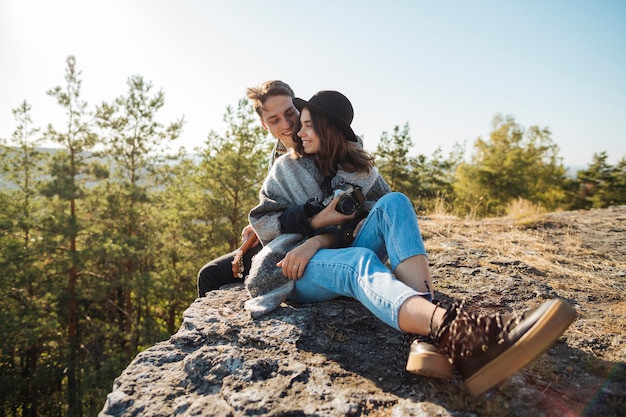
(335, 106)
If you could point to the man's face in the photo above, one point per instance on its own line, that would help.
(280, 116)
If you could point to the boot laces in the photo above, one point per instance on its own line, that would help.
(470, 334)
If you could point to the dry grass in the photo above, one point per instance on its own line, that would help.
(518, 261)
(523, 210)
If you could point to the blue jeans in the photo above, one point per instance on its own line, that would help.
(390, 231)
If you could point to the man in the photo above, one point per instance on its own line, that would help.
(273, 102)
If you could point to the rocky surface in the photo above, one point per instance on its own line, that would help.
(336, 359)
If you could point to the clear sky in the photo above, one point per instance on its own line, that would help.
(445, 67)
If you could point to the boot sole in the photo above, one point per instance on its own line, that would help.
(430, 364)
(538, 339)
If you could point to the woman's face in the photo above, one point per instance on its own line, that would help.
(310, 140)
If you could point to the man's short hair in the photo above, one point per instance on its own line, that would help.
(258, 95)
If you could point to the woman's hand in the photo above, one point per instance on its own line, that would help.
(357, 228)
(329, 216)
(294, 263)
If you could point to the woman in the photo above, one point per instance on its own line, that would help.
(311, 254)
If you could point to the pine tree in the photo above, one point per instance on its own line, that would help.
(393, 160)
(69, 172)
(601, 184)
(25, 320)
(424, 180)
(179, 253)
(433, 178)
(134, 143)
(232, 169)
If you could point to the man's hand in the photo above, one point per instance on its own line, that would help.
(247, 233)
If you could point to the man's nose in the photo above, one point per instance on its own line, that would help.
(290, 123)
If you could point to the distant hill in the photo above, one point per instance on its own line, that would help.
(572, 171)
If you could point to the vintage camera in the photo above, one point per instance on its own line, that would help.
(350, 198)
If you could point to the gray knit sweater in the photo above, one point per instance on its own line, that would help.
(291, 182)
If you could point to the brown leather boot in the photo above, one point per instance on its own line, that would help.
(487, 349)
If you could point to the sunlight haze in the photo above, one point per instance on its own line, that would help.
(446, 68)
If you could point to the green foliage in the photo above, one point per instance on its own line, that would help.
(513, 163)
(132, 136)
(232, 169)
(129, 221)
(393, 160)
(434, 178)
(600, 185)
(21, 166)
(28, 320)
(69, 172)
(425, 181)
(178, 238)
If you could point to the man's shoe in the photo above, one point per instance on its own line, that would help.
(426, 360)
(487, 349)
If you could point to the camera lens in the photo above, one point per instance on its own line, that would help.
(346, 205)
